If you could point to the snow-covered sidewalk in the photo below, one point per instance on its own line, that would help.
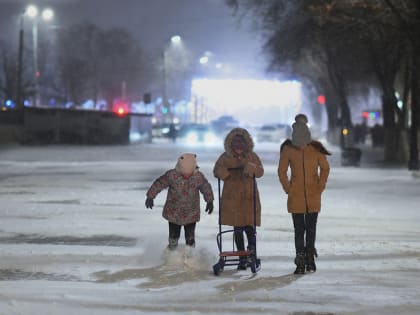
(75, 238)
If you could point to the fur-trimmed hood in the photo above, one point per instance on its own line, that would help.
(238, 132)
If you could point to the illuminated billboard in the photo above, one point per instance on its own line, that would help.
(249, 101)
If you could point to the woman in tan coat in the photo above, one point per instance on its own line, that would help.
(236, 167)
(309, 170)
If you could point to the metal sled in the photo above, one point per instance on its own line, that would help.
(233, 257)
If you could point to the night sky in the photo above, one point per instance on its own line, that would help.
(205, 25)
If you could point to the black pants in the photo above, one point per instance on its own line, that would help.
(305, 231)
(189, 230)
(239, 237)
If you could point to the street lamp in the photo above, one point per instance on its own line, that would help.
(19, 102)
(47, 14)
(211, 66)
(175, 40)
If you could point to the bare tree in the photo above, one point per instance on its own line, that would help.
(408, 16)
(372, 30)
(8, 75)
(344, 39)
(304, 44)
(95, 63)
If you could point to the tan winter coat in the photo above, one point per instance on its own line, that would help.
(237, 201)
(309, 170)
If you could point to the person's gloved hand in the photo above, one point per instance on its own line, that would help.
(149, 203)
(250, 169)
(223, 173)
(209, 207)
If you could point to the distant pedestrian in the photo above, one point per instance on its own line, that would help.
(236, 167)
(182, 207)
(309, 170)
(173, 133)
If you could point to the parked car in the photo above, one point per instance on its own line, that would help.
(165, 130)
(273, 133)
(197, 133)
(160, 131)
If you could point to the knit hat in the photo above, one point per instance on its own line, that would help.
(187, 163)
(301, 134)
(238, 143)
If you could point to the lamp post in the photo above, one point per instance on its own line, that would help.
(175, 40)
(46, 14)
(19, 103)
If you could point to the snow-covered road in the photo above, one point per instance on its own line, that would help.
(75, 238)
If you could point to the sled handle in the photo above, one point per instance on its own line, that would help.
(220, 213)
(254, 188)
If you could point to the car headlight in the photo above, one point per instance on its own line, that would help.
(165, 130)
(210, 138)
(192, 137)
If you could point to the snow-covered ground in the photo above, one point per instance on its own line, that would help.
(75, 238)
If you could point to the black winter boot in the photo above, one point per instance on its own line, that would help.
(243, 263)
(190, 242)
(240, 246)
(300, 263)
(173, 243)
(310, 259)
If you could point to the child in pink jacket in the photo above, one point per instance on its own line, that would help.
(182, 207)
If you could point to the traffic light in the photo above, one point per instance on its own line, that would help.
(164, 110)
(147, 98)
(371, 114)
(120, 108)
(321, 99)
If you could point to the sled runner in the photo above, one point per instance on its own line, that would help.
(234, 256)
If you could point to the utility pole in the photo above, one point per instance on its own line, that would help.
(413, 163)
(35, 59)
(19, 98)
